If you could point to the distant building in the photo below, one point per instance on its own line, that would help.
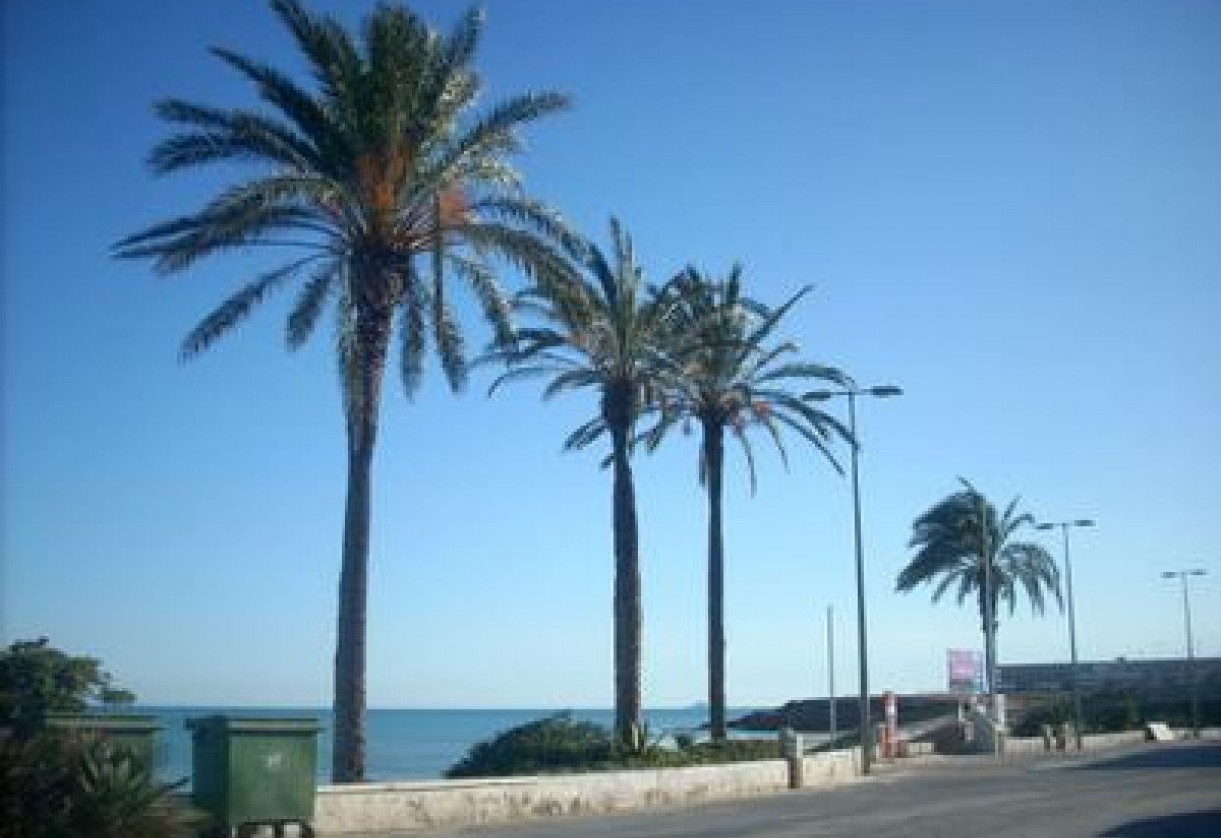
(1147, 676)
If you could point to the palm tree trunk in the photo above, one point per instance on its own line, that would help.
(628, 729)
(714, 459)
(989, 636)
(364, 398)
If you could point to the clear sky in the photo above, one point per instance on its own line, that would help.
(1012, 210)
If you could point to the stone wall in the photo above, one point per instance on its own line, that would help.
(409, 807)
(445, 803)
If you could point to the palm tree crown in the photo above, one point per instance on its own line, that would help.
(962, 540)
(382, 186)
(381, 166)
(606, 333)
(721, 371)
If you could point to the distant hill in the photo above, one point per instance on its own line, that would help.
(814, 714)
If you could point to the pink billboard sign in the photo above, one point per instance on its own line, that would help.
(966, 670)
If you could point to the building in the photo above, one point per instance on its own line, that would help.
(1148, 677)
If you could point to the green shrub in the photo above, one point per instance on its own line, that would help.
(555, 743)
(37, 679)
(704, 753)
(57, 786)
(558, 744)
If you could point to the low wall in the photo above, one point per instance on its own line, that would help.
(404, 807)
(407, 807)
(825, 769)
(1018, 746)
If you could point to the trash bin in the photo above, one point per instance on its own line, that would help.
(136, 733)
(254, 771)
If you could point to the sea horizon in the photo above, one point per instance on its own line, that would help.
(403, 743)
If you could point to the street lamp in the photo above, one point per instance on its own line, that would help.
(1191, 655)
(882, 392)
(1078, 718)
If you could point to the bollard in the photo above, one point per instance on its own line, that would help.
(791, 749)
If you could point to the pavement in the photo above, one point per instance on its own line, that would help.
(1159, 789)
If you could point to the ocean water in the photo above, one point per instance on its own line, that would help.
(404, 744)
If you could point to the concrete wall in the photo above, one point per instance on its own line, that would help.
(1019, 746)
(826, 769)
(417, 806)
(407, 807)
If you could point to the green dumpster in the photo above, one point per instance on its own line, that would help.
(254, 771)
(136, 733)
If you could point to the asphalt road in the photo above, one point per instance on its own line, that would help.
(1150, 790)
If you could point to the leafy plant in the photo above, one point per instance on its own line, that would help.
(58, 786)
(559, 744)
(37, 679)
(551, 744)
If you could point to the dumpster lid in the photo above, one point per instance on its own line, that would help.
(255, 724)
(102, 721)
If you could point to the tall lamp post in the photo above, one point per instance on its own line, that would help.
(882, 392)
(1078, 716)
(1191, 654)
(831, 668)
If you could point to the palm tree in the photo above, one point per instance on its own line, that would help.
(383, 187)
(963, 542)
(606, 333)
(724, 375)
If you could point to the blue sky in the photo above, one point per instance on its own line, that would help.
(1009, 209)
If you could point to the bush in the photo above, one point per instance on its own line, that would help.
(37, 679)
(554, 743)
(1111, 711)
(558, 744)
(705, 753)
(58, 786)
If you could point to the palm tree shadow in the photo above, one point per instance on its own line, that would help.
(1185, 825)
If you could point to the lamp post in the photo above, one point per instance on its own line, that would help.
(883, 391)
(1191, 655)
(831, 668)
(1078, 716)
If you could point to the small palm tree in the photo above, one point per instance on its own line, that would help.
(605, 333)
(963, 543)
(723, 374)
(385, 189)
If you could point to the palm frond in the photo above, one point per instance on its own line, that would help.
(413, 346)
(451, 348)
(227, 134)
(748, 454)
(236, 309)
(538, 218)
(309, 305)
(587, 433)
(297, 105)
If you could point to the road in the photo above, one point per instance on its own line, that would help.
(1149, 790)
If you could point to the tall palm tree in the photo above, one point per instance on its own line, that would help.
(723, 374)
(383, 187)
(606, 333)
(962, 542)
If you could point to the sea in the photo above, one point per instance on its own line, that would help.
(406, 744)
